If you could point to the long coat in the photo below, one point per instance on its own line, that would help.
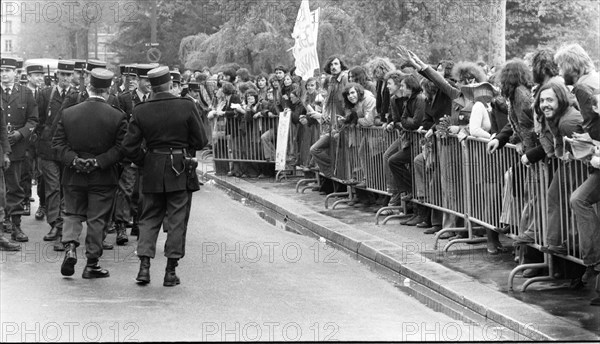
(21, 113)
(164, 122)
(91, 130)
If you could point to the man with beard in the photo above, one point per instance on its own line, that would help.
(577, 68)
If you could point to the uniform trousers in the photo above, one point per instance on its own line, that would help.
(55, 205)
(92, 204)
(14, 189)
(154, 209)
(124, 202)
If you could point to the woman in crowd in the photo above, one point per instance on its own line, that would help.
(379, 67)
(309, 130)
(262, 84)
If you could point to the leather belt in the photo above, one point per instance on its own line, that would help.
(168, 151)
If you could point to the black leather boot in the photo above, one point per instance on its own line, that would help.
(68, 266)
(93, 270)
(171, 278)
(122, 238)
(144, 273)
(6, 245)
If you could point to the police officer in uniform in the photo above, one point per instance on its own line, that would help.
(89, 141)
(170, 128)
(21, 115)
(52, 101)
(176, 78)
(5, 244)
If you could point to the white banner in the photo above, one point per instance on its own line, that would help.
(283, 133)
(305, 34)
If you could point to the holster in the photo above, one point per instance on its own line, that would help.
(193, 184)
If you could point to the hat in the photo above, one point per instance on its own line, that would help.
(483, 92)
(159, 76)
(9, 62)
(93, 64)
(65, 66)
(122, 69)
(19, 63)
(35, 68)
(101, 78)
(79, 65)
(194, 86)
(24, 78)
(143, 69)
(176, 76)
(130, 70)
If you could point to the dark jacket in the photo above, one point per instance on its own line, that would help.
(49, 109)
(570, 122)
(181, 131)
(414, 110)
(21, 114)
(91, 130)
(382, 98)
(4, 145)
(520, 119)
(234, 118)
(591, 120)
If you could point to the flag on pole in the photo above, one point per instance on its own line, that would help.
(305, 34)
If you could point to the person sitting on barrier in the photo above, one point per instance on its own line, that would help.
(411, 119)
(577, 68)
(379, 67)
(309, 131)
(397, 102)
(324, 149)
(563, 120)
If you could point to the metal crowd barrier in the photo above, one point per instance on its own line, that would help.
(359, 161)
(496, 191)
(238, 140)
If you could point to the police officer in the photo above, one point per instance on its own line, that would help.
(21, 115)
(88, 142)
(52, 101)
(5, 244)
(35, 82)
(176, 78)
(170, 127)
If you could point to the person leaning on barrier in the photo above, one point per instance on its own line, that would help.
(324, 149)
(578, 70)
(88, 141)
(465, 73)
(563, 120)
(378, 68)
(170, 128)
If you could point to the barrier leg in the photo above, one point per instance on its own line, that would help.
(304, 181)
(335, 194)
(529, 281)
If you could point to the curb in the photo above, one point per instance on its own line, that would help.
(456, 287)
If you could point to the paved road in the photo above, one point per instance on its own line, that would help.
(242, 279)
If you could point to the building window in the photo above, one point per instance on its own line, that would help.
(8, 46)
(8, 27)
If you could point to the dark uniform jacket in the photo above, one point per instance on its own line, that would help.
(4, 145)
(164, 122)
(92, 129)
(50, 109)
(21, 114)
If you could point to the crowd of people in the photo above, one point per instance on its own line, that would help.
(533, 103)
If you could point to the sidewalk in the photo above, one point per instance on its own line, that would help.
(466, 279)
